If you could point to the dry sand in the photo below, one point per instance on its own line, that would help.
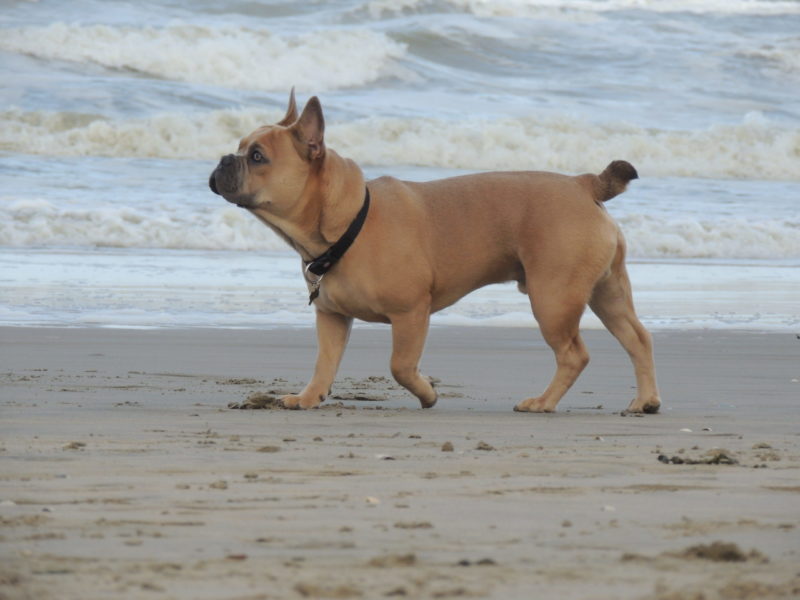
(125, 475)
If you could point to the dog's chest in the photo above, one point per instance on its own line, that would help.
(343, 297)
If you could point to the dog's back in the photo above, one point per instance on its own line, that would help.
(482, 228)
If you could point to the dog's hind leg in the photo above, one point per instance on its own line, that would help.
(333, 331)
(558, 306)
(612, 302)
(409, 330)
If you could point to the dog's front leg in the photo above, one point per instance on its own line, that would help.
(408, 340)
(333, 331)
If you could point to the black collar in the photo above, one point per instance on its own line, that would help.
(324, 263)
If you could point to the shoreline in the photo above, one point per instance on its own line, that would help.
(490, 363)
(243, 290)
(125, 474)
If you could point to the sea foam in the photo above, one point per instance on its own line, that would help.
(754, 148)
(549, 8)
(39, 222)
(730, 238)
(227, 56)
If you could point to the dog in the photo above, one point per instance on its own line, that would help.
(395, 252)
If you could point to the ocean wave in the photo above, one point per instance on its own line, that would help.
(784, 57)
(755, 148)
(729, 238)
(37, 222)
(227, 56)
(167, 135)
(752, 149)
(548, 8)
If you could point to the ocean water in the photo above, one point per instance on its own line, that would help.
(113, 114)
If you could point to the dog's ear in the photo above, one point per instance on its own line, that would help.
(309, 131)
(291, 111)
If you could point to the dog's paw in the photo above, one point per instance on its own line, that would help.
(300, 402)
(430, 400)
(534, 405)
(649, 406)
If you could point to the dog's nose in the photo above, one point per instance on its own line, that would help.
(212, 182)
(227, 160)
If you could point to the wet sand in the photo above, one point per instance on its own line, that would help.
(125, 474)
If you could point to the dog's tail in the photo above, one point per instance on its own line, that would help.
(613, 180)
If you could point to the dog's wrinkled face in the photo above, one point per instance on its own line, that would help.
(266, 171)
(272, 165)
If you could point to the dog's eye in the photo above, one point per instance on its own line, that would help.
(256, 156)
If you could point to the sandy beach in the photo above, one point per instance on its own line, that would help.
(140, 312)
(126, 475)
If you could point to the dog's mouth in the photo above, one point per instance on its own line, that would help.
(222, 184)
(245, 203)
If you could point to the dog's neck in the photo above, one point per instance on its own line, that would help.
(341, 193)
(333, 195)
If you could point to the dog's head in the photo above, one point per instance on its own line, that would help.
(271, 168)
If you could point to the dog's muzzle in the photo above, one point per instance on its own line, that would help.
(224, 179)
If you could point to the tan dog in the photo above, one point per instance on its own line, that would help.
(423, 246)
